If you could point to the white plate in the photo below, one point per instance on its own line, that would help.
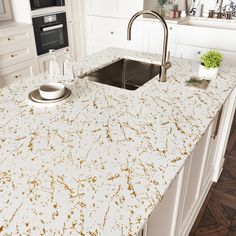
(35, 96)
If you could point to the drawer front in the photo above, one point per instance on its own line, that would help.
(113, 32)
(104, 29)
(13, 73)
(9, 38)
(188, 52)
(16, 54)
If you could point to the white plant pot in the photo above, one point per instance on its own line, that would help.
(208, 73)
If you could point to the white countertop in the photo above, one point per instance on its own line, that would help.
(99, 163)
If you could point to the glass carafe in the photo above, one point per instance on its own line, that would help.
(68, 70)
(54, 70)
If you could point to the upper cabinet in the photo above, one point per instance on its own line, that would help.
(5, 10)
(113, 8)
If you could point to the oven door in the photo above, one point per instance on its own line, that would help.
(50, 36)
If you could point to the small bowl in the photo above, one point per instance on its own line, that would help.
(52, 91)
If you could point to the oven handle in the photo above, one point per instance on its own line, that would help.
(52, 27)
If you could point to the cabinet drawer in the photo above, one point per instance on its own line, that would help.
(15, 54)
(113, 32)
(9, 38)
(188, 52)
(18, 71)
(104, 29)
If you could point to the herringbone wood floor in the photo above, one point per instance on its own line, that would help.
(218, 214)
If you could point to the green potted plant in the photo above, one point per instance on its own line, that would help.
(210, 63)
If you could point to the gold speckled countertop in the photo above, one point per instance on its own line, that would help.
(99, 163)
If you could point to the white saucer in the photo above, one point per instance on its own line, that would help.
(35, 96)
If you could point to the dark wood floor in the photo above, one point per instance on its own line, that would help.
(218, 214)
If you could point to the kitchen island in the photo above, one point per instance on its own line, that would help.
(100, 163)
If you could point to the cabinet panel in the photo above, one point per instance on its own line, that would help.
(205, 37)
(5, 10)
(127, 8)
(154, 35)
(188, 52)
(18, 71)
(108, 32)
(15, 54)
(195, 53)
(9, 38)
(102, 7)
(75, 9)
(194, 177)
(192, 198)
(76, 38)
(163, 219)
(223, 134)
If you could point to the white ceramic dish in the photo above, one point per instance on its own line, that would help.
(35, 97)
(52, 91)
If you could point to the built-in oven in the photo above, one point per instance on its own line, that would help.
(37, 4)
(50, 32)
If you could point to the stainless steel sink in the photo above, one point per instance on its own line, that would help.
(126, 74)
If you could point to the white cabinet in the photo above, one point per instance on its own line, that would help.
(191, 195)
(222, 134)
(103, 32)
(154, 35)
(102, 7)
(76, 24)
(18, 71)
(193, 53)
(192, 41)
(163, 219)
(5, 10)
(17, 53)
(127, 8)
(113, 8)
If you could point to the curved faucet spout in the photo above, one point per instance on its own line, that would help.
(165, 64)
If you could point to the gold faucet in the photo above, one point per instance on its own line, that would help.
(165, 65)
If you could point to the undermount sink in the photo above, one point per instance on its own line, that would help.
(126, 73)
(211, 23)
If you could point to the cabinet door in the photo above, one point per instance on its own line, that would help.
(222, 134)
(75, 9)
(16, 54)
(189, 52)
(76, 39)
(229, 57)
(191, 196)
(127, 8)
(18, 71)
(5, 10)
(154, 35)
(163, 219)
(103, 32)
(102, 7)
(207, 176)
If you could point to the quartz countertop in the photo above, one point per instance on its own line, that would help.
(99, 163)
